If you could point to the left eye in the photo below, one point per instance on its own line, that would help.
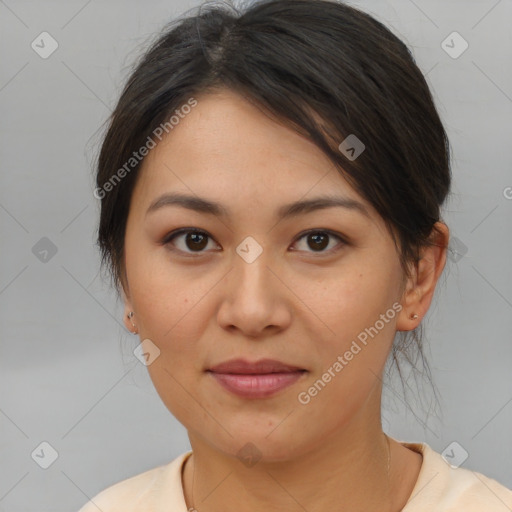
(318, 240)
(196, 241)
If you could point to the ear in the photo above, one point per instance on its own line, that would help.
(419, 288)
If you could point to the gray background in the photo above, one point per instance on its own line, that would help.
(68, 375)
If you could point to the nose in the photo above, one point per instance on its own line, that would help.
(255, 301)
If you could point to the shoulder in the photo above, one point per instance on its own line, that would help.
(143, 491)
(445, 488)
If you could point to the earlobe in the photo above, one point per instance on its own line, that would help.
(130, 318)
(129, 321)
(128, 314)
(409, 317)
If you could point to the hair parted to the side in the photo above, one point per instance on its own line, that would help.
(323, 68)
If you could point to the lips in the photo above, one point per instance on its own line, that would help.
(255, 380)
(263, 366)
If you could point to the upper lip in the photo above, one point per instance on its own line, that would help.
(242, 366)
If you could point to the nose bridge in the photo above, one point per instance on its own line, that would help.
(251, 266)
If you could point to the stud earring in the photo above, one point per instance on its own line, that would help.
(414, 316)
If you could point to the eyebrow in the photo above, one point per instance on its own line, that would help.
(202, 205)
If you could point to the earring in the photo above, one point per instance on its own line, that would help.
(130, 315)
(414, 316)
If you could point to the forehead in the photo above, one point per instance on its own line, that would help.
(225, 127)
(227, 145)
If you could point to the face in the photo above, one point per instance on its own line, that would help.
(317, 289)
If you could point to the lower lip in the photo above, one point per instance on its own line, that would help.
(257, 385)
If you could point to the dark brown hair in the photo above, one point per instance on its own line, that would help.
(325, 69)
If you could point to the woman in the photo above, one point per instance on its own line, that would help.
(271, 184)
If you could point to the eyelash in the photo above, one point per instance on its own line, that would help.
(174, 234)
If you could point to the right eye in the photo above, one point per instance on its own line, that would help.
(191, 240)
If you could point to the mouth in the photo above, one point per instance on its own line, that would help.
(260, 379)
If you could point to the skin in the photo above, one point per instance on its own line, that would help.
(303, 307)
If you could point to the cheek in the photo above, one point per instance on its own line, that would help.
(351, 358)
(360, 309)
(173, 316)
(168, 298)
(354, 300)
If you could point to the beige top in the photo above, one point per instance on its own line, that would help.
(439, 488)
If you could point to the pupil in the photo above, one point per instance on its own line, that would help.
(195, 237)
(317, 243)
